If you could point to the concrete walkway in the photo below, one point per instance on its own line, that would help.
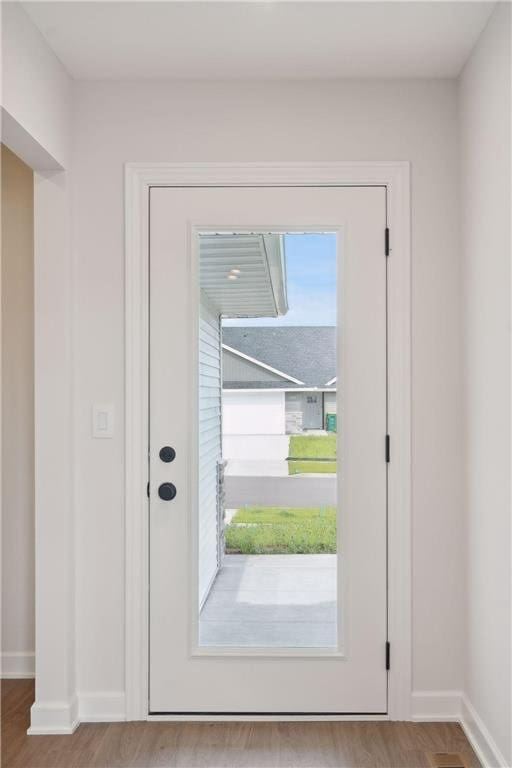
(270, 601)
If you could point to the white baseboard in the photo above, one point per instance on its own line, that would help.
(454, 706)
(64, 717)
(101, 706)
(54, 717)
(17, 665)
(479, 737)
(436, 706)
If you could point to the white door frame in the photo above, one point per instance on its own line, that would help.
(139, 177)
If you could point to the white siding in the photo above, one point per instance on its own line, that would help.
(210, 450)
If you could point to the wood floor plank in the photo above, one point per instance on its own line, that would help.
(82, 750)
(223, 745)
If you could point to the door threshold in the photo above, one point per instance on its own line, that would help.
(265, 716)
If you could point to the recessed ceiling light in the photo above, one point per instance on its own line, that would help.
(235, 271)
(232, 277)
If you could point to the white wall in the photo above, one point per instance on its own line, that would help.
(409, 120)
(36, 124)
(252, 413)
(484, 104)
(54, 458)
(36, 94)
(18, 611)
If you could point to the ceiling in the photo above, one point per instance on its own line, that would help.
(260, 40)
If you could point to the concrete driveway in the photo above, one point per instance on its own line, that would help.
(253, 468)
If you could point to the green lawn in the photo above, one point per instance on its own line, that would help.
(282, 530)
(307, 448)
(303, 467)
(312, 447)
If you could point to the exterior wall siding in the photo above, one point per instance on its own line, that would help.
(210, 446)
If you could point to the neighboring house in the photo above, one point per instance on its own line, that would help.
(240, 276)
(276, 381)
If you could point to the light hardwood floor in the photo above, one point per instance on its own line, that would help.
(222, 745)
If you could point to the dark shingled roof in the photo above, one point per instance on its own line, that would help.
(307, 353)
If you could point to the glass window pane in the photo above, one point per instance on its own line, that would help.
(268, 421)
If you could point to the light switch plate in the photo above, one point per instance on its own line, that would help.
(103, 420)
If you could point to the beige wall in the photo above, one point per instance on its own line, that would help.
(17, 415)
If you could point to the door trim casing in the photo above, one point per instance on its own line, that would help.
(139, 177)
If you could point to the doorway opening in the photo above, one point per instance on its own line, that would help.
(18, 468)
(268, 524)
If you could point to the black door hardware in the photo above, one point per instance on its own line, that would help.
(167, 453)
(167, 491)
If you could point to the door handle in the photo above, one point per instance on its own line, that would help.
(167, 491)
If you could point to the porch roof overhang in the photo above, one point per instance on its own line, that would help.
(244, 275)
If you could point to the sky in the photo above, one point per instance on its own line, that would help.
(311, 281)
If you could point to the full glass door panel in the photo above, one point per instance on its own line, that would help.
(268, 419)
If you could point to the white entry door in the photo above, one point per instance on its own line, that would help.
(214, 253)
